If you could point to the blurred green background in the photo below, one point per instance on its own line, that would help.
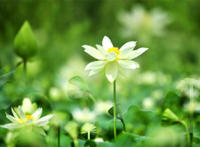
(56, 79)
(62, 27)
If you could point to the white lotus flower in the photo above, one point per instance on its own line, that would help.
(21, 119)
(142, 23)
(113, 59)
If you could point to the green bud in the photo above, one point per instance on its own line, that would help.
(169, 116)
(72, 128)
(25, 44)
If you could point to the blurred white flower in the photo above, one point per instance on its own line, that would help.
(67, 72)
(157, 94)
(148, 103)
(150, 78)
(113, 59)
(98, 140)
(102, 106)
(192, 107)
(84, 115)
(55, 93)
(141, 23)
(22, 118)
(189, 87)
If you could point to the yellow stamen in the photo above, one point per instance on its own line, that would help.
(28, 117)
(115, 50)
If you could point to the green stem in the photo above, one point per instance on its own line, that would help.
(75, 142)
(25, 65)
(187, 132)
(58, 136)
(114, 109)
(88, 135)
(191, 129)
(191, 119)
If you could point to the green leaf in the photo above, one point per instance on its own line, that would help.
(6, 78)
(90, 143)
(174, 102)
(25, 44)
(119, 116)
(139, 120)
(129, 139)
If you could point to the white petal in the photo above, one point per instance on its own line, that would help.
(124, 53)
(21, 113)
(101, 49)
(94, 72)
(106, 43)
(128, 64)
(95, 65)
(40, 130)
(44, 120)
(37, 113)
(136, 53)
(11, 118)
(11, 126)
(111, 71)
(14, 113)
(93, 52)
(128, 45)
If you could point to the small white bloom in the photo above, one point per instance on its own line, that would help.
(84, 115)
(192, 107)
(148, 103)
(189, 87)
(102, 106)
(21, 119)
(55, 93)
(112, 60)
(98, 140)
(88, 127)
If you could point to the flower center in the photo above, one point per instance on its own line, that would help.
(115, 50)
(28, 117)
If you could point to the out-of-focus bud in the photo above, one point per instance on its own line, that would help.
(169, 116)
(25, 44)
(72, 128)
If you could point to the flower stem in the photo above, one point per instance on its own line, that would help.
(114, 109)
(191, 119)
(58, 136)
(191, 129)
(75, 142)
(88, 135)
(25, 65)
